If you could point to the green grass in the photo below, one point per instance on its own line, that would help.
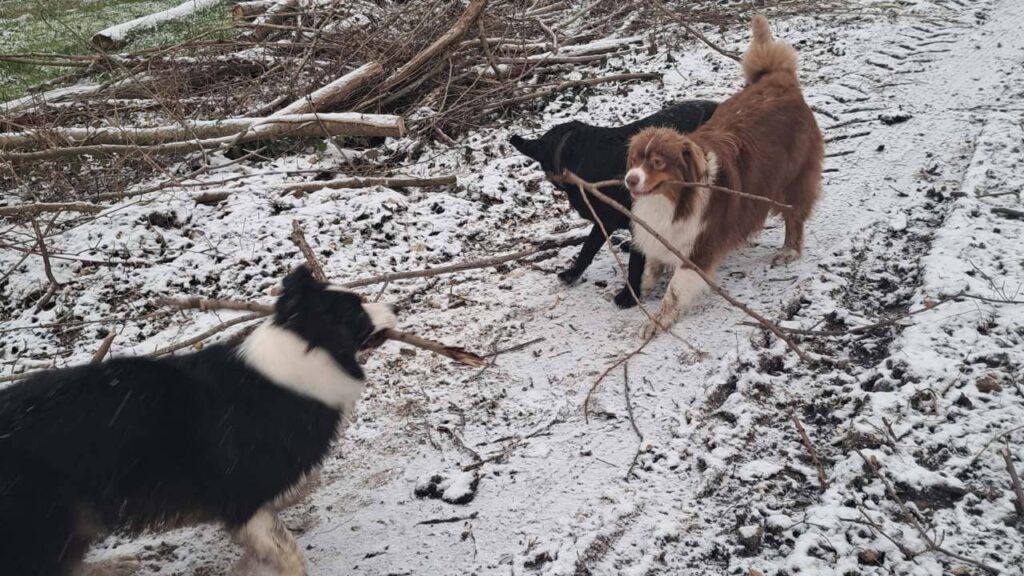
(66, 26)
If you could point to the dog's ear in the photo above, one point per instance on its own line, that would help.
(299, 283)
(692, 163)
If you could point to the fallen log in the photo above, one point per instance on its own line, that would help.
(171, 139)
(272, 17)
(349, 124)
(119, 35)
(249, 10)
(335, 92)
(43, 207)
(389, 182)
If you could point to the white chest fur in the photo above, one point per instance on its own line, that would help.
(286, 360)
(659, 212)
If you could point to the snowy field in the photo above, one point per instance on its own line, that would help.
(450, 470)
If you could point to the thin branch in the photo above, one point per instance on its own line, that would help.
(196, 303)
(455, 353)
(462, 266)
(207, 334)
(46, 267)
(746, 195)
(1018, 504)
(261, 310)
(388, 182)
(767, 324)
(822, 479)
(620, 361)
(625, 276)
(632, 420)
(299, 238)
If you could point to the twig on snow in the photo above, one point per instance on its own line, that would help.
(620, 361)
(451, 520)
(822, 479)
(632, 420)
(462, 266)
(46, 267)
(1018, 504)
(104, 348)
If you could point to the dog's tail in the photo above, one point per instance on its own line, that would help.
(767, 55)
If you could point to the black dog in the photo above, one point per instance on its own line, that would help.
(228, 434)
(595, 153)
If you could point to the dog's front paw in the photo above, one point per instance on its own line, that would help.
(648, 330)
(569, 276)
(624, 299)
(785, 256)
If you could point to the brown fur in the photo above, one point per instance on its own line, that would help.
(764, 141)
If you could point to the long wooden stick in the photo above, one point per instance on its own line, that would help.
(261, 310)
(455, 353)
(41, 207)
(1014, 479)
(822, 479)
(387, 181)
(462, 266)
(768, 324)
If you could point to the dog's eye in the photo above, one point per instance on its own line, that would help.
(658, 163)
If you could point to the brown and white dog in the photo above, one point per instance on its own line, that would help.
(762, 141)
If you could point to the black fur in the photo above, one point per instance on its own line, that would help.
(596, 153)
(138, 443)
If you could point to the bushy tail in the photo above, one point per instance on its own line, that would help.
(766, 55)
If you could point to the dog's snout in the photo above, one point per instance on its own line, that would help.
(632, 180)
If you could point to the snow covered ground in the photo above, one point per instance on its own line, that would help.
(922, 106)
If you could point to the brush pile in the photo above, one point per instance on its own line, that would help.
(444, 67)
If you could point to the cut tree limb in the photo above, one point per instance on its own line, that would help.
(273, 16)
(337, 124)
(41, 207)
(387, 181)
(119, 35)
(271, 128)
(443, 43)
(261, 310)
(335, 92)
(249, 10)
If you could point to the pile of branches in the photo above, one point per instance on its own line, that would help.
(445, 67)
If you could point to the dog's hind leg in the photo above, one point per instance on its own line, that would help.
(268, 548)
(802, 195)
(624, 299)
(590, 247)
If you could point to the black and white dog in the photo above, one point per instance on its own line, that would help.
(595, 153)
(228, 434)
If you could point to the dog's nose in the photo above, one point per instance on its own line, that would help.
(632, 180)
